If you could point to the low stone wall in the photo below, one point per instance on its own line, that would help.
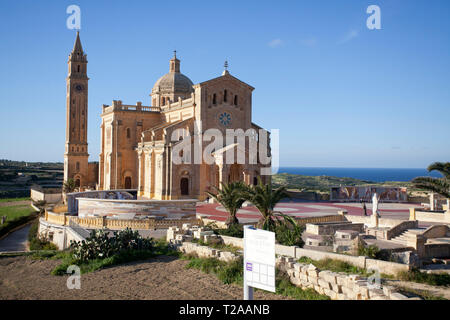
(337, 286)
(237, 242)
(430, 216)
(386, 267)
(366, 220)
(330, 218)
(206, 252)
(330, 228)
(357, 261)
(53, 195)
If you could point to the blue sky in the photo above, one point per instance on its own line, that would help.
(342, 95)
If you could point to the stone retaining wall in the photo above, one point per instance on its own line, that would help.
(337, 286)
(206, 252)
(386, 267)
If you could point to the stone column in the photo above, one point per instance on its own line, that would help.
(412, 214)
(432, 200)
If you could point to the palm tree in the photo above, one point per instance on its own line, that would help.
(265, 198)
(438, 185)
(230, 196)
(69, 186)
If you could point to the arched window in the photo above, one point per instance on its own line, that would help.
(184, 186)
(78, 166)
(235, 100)
(127, 182)
(77, 183)
(78, 68)
(128, 133)
(225, 94)
(255, 181)
(214, 98)
(163, 101)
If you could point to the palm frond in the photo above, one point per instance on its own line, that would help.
(438, 185)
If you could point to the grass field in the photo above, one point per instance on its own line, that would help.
(13, 212)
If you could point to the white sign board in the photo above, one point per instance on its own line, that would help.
(259, 259)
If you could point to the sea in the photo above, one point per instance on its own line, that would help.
(367, 174)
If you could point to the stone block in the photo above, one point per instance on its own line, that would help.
(303, 277)
(318, 289)
(330, 293)
(336, 288)
(313, 273)
(328, 276)
(347, 291)
(324, 284)
(312, 267)
(297, 267)
(388, 290)
(375, 292)
(341, 280)
(313, 280)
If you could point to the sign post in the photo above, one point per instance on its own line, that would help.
(259, 261)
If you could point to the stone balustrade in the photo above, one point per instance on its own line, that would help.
(64, 219)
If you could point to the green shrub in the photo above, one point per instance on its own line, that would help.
(99, 245)
(289, 235)
(435, 279)
(234, 230)
(371, 251)
(232, 272)
(38, 242)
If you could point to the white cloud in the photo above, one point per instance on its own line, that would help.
(275, 43)
(349, 36)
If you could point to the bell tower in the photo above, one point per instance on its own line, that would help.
(76, 151)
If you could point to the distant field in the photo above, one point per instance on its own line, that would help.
(13, 212)
(324, 183)
(14, 199)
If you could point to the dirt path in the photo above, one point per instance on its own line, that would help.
(15, 203)
(159, 278)
(434, 290)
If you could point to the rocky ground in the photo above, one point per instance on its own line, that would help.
(158, 278)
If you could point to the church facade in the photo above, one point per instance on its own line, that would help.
(165, 150)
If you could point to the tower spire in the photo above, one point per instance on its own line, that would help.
(225, 65)
(77, 53)
(77, 46)
(174, 63)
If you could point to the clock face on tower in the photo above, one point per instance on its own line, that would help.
(224, 119)
(78, 88)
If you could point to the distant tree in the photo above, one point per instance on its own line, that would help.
(69, 186)
(230, 196)
(438, 185)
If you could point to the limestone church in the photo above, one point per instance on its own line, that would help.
(137, 141)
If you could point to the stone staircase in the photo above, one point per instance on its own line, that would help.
(403, 237)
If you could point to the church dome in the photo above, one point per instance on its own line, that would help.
(174, 81)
